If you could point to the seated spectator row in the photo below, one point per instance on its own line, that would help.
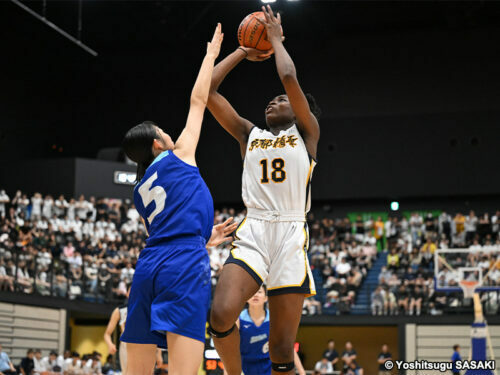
(87, 249)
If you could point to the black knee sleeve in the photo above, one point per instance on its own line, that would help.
(283, 367)
(218, 335)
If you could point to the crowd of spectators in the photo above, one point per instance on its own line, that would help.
(71, 363)
(347, 363)
(341, 253)
(406, 283)
(88, 248)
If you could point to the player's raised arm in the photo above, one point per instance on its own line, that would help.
(306, 121)
(185, 147)
(220, 108)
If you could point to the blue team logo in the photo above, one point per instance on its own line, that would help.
(205, 272)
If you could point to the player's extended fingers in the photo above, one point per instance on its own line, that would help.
(217, 32)
(228, 220)
(231, 229)
(279, 18)
(266, 14)
(271, 13)
(226, 239)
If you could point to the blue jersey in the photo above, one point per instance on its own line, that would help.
(174, 201)
(254, 345)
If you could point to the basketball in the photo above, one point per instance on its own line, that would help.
(252, 33)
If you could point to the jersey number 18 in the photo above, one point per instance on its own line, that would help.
(278, 174)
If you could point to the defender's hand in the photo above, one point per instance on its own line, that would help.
(221, 232)
(213, 47)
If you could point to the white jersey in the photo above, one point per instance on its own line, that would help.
(123, 315)
(277, 171)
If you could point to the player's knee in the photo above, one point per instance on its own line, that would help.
(222, 317)
(281, 352)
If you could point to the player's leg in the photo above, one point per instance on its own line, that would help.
(234, 288)
(141, 359)
(285, 311)
(184, 354)
(123, 356)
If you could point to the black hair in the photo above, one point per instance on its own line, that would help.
(138, 143)
(315, 110)
(265, 292)
(455, 347)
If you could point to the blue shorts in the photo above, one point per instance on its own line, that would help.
(170, 293)
(256, 367)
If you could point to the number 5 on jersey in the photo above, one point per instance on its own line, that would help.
(277, 175)
(156, 194)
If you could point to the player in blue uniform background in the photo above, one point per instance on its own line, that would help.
(170, 291)
(253, 325)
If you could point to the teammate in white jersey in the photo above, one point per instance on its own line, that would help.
(272, 241)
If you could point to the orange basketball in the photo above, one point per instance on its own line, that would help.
(252, 33)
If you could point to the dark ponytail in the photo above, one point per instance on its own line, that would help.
(315, 110)
(138, 145)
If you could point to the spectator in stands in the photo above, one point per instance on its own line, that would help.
(93, 365)
(343, 268)
(74, 366)
(348, 356)
(50, 363)
(324, 366)
(37, 362)
(6, 366)
(378, 304)
(109, 366)
(454, 358)
(416, 300)
(27, 364)
(393, 260)
(331, 354)
(383, 357)
(6, 280)
(402, 298)
(4, 200)
(378, 227)
(471, 222)
(311, 306)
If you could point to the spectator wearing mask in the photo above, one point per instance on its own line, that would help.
(383, 357)
(331, 354)
(6, 366)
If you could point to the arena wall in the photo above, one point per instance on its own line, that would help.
(435, 342)
(366, 340)
(28, 327)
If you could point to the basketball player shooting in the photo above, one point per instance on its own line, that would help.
(272, 241)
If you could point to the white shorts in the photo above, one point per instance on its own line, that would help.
(272, 248)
